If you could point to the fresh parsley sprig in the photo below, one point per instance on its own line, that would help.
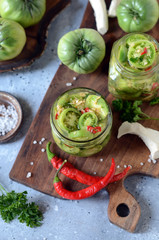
(154, 101)
(130, 111)
(14, 205)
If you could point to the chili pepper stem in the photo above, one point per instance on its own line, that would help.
(56, 178)
(50, 154)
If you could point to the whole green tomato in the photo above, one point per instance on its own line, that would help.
(137, 15)
(82, 50)
(12, 39)
(25, 12)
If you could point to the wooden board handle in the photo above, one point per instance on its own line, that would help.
(123, 209)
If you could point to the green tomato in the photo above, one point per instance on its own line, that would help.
(12, 39)
(137, 15)
(82, 50)
(25, 12)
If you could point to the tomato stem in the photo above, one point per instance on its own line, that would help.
(80, 52)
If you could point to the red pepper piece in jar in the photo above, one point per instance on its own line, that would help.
(56, 116)
(144, 52)
(87, 109)
(84, 193)
(147, 69)
(68, 145)
(155, 85)
(93, 129)
(97, 129)
(90, 129)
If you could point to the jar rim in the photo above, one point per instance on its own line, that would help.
(109, 121)
(127, 71)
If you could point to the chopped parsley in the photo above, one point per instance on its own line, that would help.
(130, 111)
(13, 205)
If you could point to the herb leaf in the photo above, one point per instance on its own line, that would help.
(154, 101)
(117, 105)
(130, 111)
(31, 215)
(14, 204)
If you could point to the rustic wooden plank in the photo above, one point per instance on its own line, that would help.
(127, 150)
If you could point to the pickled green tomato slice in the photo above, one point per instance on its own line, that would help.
(133, 38)
(98, 105)
(69, 149)
(90, 151)
(81, 135)
(123, 52)
(68, 119)
(63, 100)
(123, 49)
(88, 119)
(142, 54)
(77, 101)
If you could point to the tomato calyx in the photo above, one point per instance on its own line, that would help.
(93, 129)
(80, 52)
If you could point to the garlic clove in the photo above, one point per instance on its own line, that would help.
(149, 136)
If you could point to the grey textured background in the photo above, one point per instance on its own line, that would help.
(66, 220)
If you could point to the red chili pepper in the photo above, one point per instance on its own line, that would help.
(56, 116)
(89, 180)
(84, 193)
(70, 171)
(93, 129)
(144, 52)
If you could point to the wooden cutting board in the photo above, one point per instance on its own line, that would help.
(36, 38)
(123, 209)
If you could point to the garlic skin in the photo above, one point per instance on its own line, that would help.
(101, 16)
(149, 136)
(113, 7)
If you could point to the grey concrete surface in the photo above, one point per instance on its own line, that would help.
(63, 219)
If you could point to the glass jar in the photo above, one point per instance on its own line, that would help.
(81, 122)
(134, 75)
